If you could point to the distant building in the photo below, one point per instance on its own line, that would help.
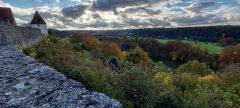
(38, 22)
(6, 16)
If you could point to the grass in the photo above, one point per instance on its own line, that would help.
(212, 48)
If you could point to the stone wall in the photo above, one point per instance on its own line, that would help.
(19, 37)
(25, 83)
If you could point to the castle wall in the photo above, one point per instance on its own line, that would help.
(42, 27)
(19, 37)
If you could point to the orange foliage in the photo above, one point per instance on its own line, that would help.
(113, 49)
(230, 55)
(139, 55)
(88, 41)
(177, 50)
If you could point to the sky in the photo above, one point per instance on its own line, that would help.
(126, 14)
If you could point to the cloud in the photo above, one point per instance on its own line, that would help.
(74, 11)
(159, 23)
(199, 7)
(198, 20)
(99, 14)
(143, 9)
(238, 1)
(106, 5)
(96, 16)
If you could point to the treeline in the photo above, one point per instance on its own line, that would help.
(208, 33)
(131, 77)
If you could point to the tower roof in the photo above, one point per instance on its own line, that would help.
(37, 19)
(6, 15)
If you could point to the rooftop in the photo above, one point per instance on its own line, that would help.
(6, 15)
(37, 19)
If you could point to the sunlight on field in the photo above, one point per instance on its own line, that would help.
(213, 48)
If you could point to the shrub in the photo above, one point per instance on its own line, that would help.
(165, 89)
(230, 78)
(164, 80)
(195, 67)
(185, 81)
(232, 68)
(137, 86)
(114, 62)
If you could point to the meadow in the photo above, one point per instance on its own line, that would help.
(212, 48)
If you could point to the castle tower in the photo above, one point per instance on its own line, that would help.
(38, 22)
(6, 16)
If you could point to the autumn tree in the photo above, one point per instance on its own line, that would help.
(227, 41)
(138, 55)
(152, 46)
(230, 55)
(177, 50)
(87, 41)
(113, 49)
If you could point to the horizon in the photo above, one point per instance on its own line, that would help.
(126, 14)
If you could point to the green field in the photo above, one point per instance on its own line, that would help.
(212, 48)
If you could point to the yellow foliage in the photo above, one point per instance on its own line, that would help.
(124, 55)
(143, 55)
(65, 42)
(164, 79)
(209, 78)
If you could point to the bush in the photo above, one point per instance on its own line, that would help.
(195, 67)
(114, 62)
(166, 97)
(185, 81)
(137, 86)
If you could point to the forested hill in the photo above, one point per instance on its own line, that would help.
(206, 33)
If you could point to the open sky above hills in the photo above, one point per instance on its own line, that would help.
(122, 14)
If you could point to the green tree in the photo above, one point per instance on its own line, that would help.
(195, 67)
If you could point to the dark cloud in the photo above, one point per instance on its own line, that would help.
(96, 16)
(74, 11)
(106, 5)
(198, 20)
(47, 15)
(150, 22)
(159, 23)
(98, 24)
(198, 7)
(143, 9)
(135, 21)
(117, 25)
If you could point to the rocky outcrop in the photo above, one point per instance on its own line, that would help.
(25, 83)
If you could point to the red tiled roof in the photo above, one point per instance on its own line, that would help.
(6, 15)
(37, 19)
